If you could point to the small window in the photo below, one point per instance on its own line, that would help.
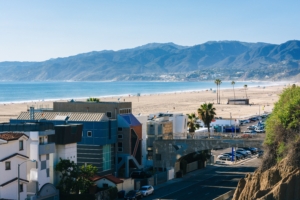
(158, 156)
(120, 129)
(7, 165)
(105, 185)
(21, 187)
(89, 133)
(21, 147)
(120, 146)
(120, 136)
(108, 114)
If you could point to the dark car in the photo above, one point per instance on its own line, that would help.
(133, 195)
(253, 151)
(139, 175)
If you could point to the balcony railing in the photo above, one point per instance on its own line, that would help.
(46, 148)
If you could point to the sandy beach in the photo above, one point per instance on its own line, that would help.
(261, 98)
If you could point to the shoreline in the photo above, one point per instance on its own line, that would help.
(142, 94)
(262, 100)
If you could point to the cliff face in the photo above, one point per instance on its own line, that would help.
(279, 182)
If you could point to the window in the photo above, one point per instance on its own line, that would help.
(7, 165)
(89, 133)
(41, 140)
(158, 156)
(108, 114)
(125, 111)
(105, 185)
(120, 146)
(120, 129)
(21, 187)
(21, 147)
(106, 157)
(120, 136)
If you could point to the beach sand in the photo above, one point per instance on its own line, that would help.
(261, 98)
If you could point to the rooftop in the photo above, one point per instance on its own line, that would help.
(108, 177)
(9, 136)
(69, 116)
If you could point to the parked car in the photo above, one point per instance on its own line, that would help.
(252, 127)
(242, 152)
(133, 195)
(260, 154)
(247, 151)
(260, 131)
(147, 190)
(253, 151)
(226, 157)
(139, 174)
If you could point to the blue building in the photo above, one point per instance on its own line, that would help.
(99, 135)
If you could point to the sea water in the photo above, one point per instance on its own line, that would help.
(42, 91)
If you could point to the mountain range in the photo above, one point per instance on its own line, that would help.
(228, 60)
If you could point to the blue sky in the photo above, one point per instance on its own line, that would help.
(40, 30)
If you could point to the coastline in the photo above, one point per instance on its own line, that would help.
(261, 98)
(268, 84)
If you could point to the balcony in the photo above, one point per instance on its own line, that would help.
(46, 132)
(46, 148)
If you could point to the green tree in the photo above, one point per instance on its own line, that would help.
(74, 179)
(233, 83)
(245, 87)
(92, 99)
(192, 123)
(206, 113)
(282, 130)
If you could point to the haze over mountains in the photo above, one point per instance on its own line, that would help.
(228, 60)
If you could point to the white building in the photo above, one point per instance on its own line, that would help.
(42, 143)
(13, 151)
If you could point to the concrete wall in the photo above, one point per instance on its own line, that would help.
(127, 185)
(167, 152)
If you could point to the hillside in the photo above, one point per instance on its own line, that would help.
(225, 59)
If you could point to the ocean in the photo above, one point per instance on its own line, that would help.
(42, 91)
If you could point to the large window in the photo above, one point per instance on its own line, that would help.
(21, 146)
(106, 157)
(7, 165)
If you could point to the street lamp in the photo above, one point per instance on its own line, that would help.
(19, 176)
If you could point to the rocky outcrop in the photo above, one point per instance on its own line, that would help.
(279, 182)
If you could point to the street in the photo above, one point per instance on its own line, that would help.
(206, 183)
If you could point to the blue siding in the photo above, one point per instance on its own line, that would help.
(100, 130)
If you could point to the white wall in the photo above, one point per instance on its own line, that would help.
(10, 191)
(127, 185)
(100, 183)
(68, 151)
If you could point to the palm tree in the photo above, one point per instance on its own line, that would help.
(232, 83)
(217, 83)
(192, 124)
(245, 87)
(220, 82)
(206, 113)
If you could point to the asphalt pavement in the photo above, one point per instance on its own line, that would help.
(203, 184)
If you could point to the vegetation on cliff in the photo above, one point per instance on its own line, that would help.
(282, 130)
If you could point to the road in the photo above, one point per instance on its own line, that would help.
(206, 183)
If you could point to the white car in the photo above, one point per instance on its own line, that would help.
(147, 190)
